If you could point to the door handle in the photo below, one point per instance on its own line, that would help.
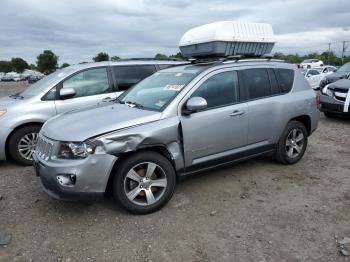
(237, 113)
(108, 99)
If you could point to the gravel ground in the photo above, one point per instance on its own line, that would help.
(257, 210)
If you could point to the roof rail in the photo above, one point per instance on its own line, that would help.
(148, 59)
(233, 59)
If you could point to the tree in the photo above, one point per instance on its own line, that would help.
(161, 57)
(65, 65)
(18, 64)
(115, 58)
(47, 62)
(178, 56)
(33, 67)
(5, 66)
(101, 57)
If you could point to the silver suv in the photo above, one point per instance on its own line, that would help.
(22, 115)
(177, 122)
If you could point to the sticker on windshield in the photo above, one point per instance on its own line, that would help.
(173, 87)
(178, 74)
(160, 103)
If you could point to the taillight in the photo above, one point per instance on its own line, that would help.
(317, 101)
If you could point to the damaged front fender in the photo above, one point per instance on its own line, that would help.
(164, 133)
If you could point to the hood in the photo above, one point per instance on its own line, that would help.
(333, 77)
(340, 85)
(7, 102)
(77, 126)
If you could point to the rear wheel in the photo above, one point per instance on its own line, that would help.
(292, 144)
(144, 182)
(22, 144)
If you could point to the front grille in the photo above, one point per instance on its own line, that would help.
(44, 147)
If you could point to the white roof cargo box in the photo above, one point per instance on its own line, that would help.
(227, 38)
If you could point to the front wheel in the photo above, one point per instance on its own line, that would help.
(144, 182)
(22, 144)
(292, 144)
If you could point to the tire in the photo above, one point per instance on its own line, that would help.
(308, 67)
(329, 114)
(132, 184)
(289, 150)
(19, 139)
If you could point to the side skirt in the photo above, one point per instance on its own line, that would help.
(227, 160)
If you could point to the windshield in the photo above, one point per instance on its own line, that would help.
(157, 91)
(345, 68)
(44, 83)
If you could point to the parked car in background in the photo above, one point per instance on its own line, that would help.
(34, 78)
(11, 76)
(311, 63)
(176, 122)
(342, 73)
(315, 75)
(1, 75)
(23, 78)
(22, 115)
(335, 98)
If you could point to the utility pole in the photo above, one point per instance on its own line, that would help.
(342, 53)
(329, 52)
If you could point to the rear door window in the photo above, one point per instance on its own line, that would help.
(285, 78)
(257, 82)
(127, 76)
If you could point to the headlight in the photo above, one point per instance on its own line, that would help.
(327, 92)
(2, 112)
(74, 150)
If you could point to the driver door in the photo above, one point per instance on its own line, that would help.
(92, 86)
(215, 132)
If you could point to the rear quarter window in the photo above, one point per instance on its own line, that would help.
(285, 79)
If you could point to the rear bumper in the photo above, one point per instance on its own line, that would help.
(329, 104)
(91, 174)
(4, 133)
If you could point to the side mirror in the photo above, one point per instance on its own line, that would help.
(195, 104)
(308, 75)
(66, 93)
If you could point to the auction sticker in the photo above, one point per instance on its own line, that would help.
(173, 87)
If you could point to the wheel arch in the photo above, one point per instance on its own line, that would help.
(161, 149)
(36, 123)
(305, 120)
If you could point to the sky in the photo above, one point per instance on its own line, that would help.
(76, 30)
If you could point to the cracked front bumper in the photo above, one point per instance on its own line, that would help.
(92, 175)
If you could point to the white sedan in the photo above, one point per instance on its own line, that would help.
(311, 63)
(315, 75)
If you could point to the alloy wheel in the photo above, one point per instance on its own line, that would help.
(295, 143)
(26, 145)
(145, 183)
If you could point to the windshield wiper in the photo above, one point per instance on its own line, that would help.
(137, 105)
(17, 95)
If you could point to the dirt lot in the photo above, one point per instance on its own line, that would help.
(258, 210)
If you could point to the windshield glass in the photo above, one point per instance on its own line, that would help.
(157, 91)
(45, 82)
(345, 68)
